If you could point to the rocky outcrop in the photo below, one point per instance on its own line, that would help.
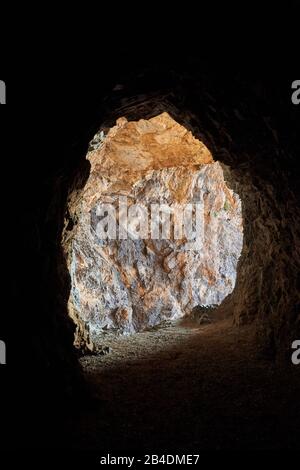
(158, 230)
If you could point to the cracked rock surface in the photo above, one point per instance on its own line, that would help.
(129, 284)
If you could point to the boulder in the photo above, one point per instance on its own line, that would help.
(158, 230)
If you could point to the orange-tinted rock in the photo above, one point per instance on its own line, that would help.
(132, 283)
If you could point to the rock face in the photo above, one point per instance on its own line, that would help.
(158, 230)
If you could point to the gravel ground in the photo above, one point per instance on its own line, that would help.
(186, 387)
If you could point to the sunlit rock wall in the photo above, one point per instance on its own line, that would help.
(138, 279)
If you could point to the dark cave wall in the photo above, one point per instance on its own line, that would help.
(242, 130)
(255, 135)
(248, 126)
(267, 289)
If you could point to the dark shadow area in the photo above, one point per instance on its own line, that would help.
(208, 389)
(213, 390)
(236, 400)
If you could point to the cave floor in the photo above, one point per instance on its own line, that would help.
(187, 388)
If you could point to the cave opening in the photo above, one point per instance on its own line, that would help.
(156, 234)
(195, 385)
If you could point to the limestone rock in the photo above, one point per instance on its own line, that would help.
(128, 284)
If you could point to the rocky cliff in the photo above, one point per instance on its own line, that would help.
(175, 228)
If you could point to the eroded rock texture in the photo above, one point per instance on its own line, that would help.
(129, 284)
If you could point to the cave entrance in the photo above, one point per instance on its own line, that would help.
(158, 232)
